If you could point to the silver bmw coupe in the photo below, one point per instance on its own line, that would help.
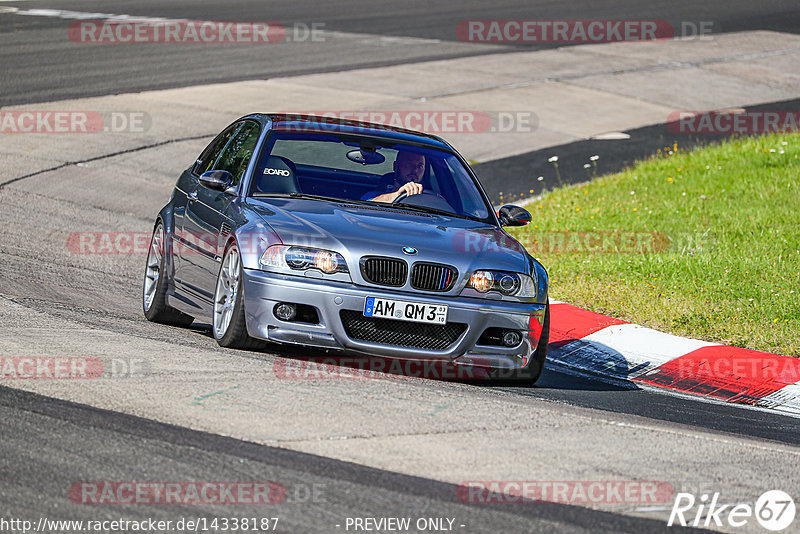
(347, 236)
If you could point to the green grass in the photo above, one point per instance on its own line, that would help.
(724, 264)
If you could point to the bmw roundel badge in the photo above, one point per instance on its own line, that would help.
(409, 250)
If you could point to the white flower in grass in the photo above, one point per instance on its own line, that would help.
(594, 158)
(552, 159)
(539, 179)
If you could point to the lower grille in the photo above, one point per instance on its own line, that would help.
(400, 333)
(433, 277)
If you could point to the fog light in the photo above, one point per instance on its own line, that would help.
(285, 312)
(511, 338)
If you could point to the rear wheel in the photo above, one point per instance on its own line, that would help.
(154, 287)
(229, 325)
(529, 374)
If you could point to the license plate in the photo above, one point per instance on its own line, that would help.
(402, 310)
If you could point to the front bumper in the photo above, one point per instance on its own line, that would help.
(263, 290)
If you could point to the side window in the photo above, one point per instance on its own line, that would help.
(237, 154)
(212, 151)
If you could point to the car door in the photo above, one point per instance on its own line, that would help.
(207, 219)
(184, 250)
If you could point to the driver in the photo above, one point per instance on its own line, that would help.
(408, 170)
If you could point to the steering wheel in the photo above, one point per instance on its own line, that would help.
(425, 199)
(400, 197)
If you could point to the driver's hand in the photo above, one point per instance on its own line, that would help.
(410, 188)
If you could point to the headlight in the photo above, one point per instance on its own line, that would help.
(507, 283)
(482, 281)
(281, 257)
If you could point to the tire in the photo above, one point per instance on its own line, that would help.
(228, 318)
(154, 285)
(529, 374)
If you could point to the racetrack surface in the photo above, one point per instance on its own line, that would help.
(320, 492)
(384, 446)
(40, 66)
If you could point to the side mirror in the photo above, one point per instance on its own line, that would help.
(217, 180)
(513, 216)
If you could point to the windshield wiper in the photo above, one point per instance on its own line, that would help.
(298, 195)
(314, 197)
(426, 209)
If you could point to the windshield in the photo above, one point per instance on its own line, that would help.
(367, 169)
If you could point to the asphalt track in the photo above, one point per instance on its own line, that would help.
(47, 444)
(317, 489)
(40, 64)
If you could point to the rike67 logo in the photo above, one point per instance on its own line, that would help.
(774, 510)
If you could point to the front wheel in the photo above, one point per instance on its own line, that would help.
(229, 325)
(154, 287)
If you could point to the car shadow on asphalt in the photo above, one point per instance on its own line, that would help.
(298, 362)
(554, 377)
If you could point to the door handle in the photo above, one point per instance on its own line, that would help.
(192, 195)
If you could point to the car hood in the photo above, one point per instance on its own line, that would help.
(364, 230)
